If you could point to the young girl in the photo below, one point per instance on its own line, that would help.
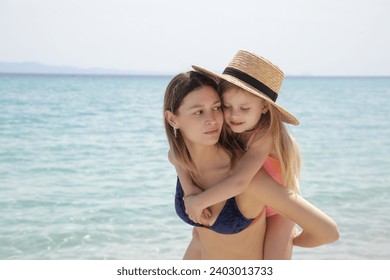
(249, 87)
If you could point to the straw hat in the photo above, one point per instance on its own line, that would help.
(256, 75)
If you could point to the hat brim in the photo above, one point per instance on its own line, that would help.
(286, 116)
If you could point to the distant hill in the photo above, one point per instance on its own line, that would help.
(39, 68)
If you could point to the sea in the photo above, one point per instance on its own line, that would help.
(84, 173)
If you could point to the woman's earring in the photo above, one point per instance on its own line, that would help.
(175, 131)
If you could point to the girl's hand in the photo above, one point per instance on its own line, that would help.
(206, 214)
(194, 212)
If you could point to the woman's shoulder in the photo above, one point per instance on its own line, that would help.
(172, 158)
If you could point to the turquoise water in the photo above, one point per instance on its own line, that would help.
(84, 173)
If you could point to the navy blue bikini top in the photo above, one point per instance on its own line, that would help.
(229, 221)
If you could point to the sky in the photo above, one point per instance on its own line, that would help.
(302, 37)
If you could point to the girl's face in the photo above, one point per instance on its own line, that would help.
(242, 110)
(200, 117)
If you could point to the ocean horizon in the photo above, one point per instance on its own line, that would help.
(84, 171)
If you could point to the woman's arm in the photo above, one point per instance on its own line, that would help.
(317, 227)
(278, 240)
(236, 182)
(189, 188)
(186, 182)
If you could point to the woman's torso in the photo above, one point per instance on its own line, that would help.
(246, 244)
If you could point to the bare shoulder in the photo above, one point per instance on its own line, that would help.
(261, 148)
(262, 139)
(171, 157)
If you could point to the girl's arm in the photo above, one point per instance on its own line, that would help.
(317, 227)
(278, 240)
(234, 184)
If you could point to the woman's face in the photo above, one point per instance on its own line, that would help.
(242, 110)
(200, 117)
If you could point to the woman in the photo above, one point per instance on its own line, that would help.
(236, 227)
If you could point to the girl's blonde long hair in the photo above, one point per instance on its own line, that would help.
(284, 145)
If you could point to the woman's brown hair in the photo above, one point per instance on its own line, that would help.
(178, 88)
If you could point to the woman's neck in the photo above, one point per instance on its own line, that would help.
(207, 156)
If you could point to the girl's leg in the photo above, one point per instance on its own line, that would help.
(278, 238)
